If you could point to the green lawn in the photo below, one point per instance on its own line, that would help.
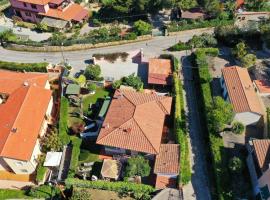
(12, 194)
(92, 98)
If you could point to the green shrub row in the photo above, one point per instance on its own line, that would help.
(63, 121)
(45, 191)
(76, 150)
(268, 121)
(28, 67)
(41, 171)
(221, 174)
(193, 24)
(138, 191)
(181, 132)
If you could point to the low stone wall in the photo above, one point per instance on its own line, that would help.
(75, 47)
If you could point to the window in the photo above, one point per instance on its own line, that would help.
(24, 4)
(19, 163)
(38, 16)
(28, 14)
(24, 170)
(33, 6)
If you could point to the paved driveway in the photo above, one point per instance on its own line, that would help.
(199, 186)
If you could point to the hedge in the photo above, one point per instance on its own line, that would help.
(138, 191)
(45, 191)
(219, 167)
(181, 132)
(268, 121)
(194, 24)
(63, 121)
(41, 171)
(76, 144)
(28, 67)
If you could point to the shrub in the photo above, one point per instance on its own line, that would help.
(235, 165)
(238, 127)
(51, 142)
(138, 191)
(142, 28)
(44, 191)
(42, 27)
(180, 46)
(96, 23)
(28, 67)
(137, 166)
(130, 36)
(116, 84)
(92, 72)
(92, 87)
(133, 81)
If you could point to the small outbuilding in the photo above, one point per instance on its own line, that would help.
(111, 169)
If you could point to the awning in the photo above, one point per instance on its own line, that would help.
(54, 23)
(104, 107)
(73, 89)
(53, 159)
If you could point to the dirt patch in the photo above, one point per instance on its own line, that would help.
(108, 195)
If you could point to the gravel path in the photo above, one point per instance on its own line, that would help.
(199, 186)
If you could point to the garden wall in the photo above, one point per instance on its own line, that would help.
(75, 47)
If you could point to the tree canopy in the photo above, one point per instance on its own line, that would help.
(142, 28)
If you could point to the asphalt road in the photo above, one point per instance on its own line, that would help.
(78, 59)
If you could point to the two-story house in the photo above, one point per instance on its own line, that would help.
(25, 108)
(258, 161)
(54, 11)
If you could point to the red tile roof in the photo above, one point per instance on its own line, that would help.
(167, 161)
(263, 86)
(71, 12)
(239, 3)
(135, 121)
(37, 2)
(165, 182)
(23, 112)
(261, 148)
(240, 90)
(159, 71)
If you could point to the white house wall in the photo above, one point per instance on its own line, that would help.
(247, 118)
(20, 167)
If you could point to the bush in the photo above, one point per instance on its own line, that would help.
(96, 23)
(138, 191)
(180, 46)
(238, 128)
(51, 142)
(137, 166)
(116, 84)
(45, 191)
(142, 28)
(21, 67)
(235, 165)
(130, 36)
(133, 81)
(92, 87)
(63, 121)
(92, 72)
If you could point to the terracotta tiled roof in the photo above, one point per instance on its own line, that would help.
(240, 90)
(23, 112)
(135, 121)
(159, 71)
(239, 3)
(167, 161)
(263, 86)
(72, 12)
(165, 182)
(262, 151)
(37, 2)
